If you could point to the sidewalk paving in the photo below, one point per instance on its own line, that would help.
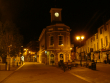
(5, 73)
(100, 75)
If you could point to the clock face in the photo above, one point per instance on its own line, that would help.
(56, 14)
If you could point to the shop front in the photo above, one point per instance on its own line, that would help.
(108, 56)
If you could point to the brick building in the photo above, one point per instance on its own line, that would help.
(54, 40)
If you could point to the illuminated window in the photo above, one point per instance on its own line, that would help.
(60, 40)
(106, 39)
(51, 41)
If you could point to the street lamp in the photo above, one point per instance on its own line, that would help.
(80, 38)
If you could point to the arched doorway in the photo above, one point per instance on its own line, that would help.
(61, 58)
(52, 58)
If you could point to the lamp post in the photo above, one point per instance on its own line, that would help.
(80, 38)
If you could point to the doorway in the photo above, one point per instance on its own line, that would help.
(61, 57)
(52, 59)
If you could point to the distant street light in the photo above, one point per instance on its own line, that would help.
(80, 38)
(70, 48)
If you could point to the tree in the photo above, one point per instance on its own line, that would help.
(10, 39)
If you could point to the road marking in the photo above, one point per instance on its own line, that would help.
(81, 77)
(20, 67)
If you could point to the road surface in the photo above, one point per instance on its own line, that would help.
(33, 72)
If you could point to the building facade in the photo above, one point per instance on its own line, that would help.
(30, 52)
(97, 47)
(54, 40)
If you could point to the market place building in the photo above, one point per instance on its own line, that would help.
(54, 41)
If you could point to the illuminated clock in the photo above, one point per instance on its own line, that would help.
(56, 14)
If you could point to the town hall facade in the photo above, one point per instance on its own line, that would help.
(54, 41)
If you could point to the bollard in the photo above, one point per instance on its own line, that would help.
(93, 66)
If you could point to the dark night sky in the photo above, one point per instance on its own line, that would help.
(31, 16)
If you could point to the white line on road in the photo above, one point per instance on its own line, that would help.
(20, 67)
(81, 77)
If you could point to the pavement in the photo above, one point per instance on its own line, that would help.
(33, 72)
(100, 75)
(5, 73)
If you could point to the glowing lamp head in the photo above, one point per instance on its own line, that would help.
(82, 37)
(78, 37)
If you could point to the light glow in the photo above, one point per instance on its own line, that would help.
(70, 48)
(61, 44)
(82, 37)
(78, 37)
(56, 14)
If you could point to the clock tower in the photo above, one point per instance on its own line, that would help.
(54, 40)
(55, 15)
